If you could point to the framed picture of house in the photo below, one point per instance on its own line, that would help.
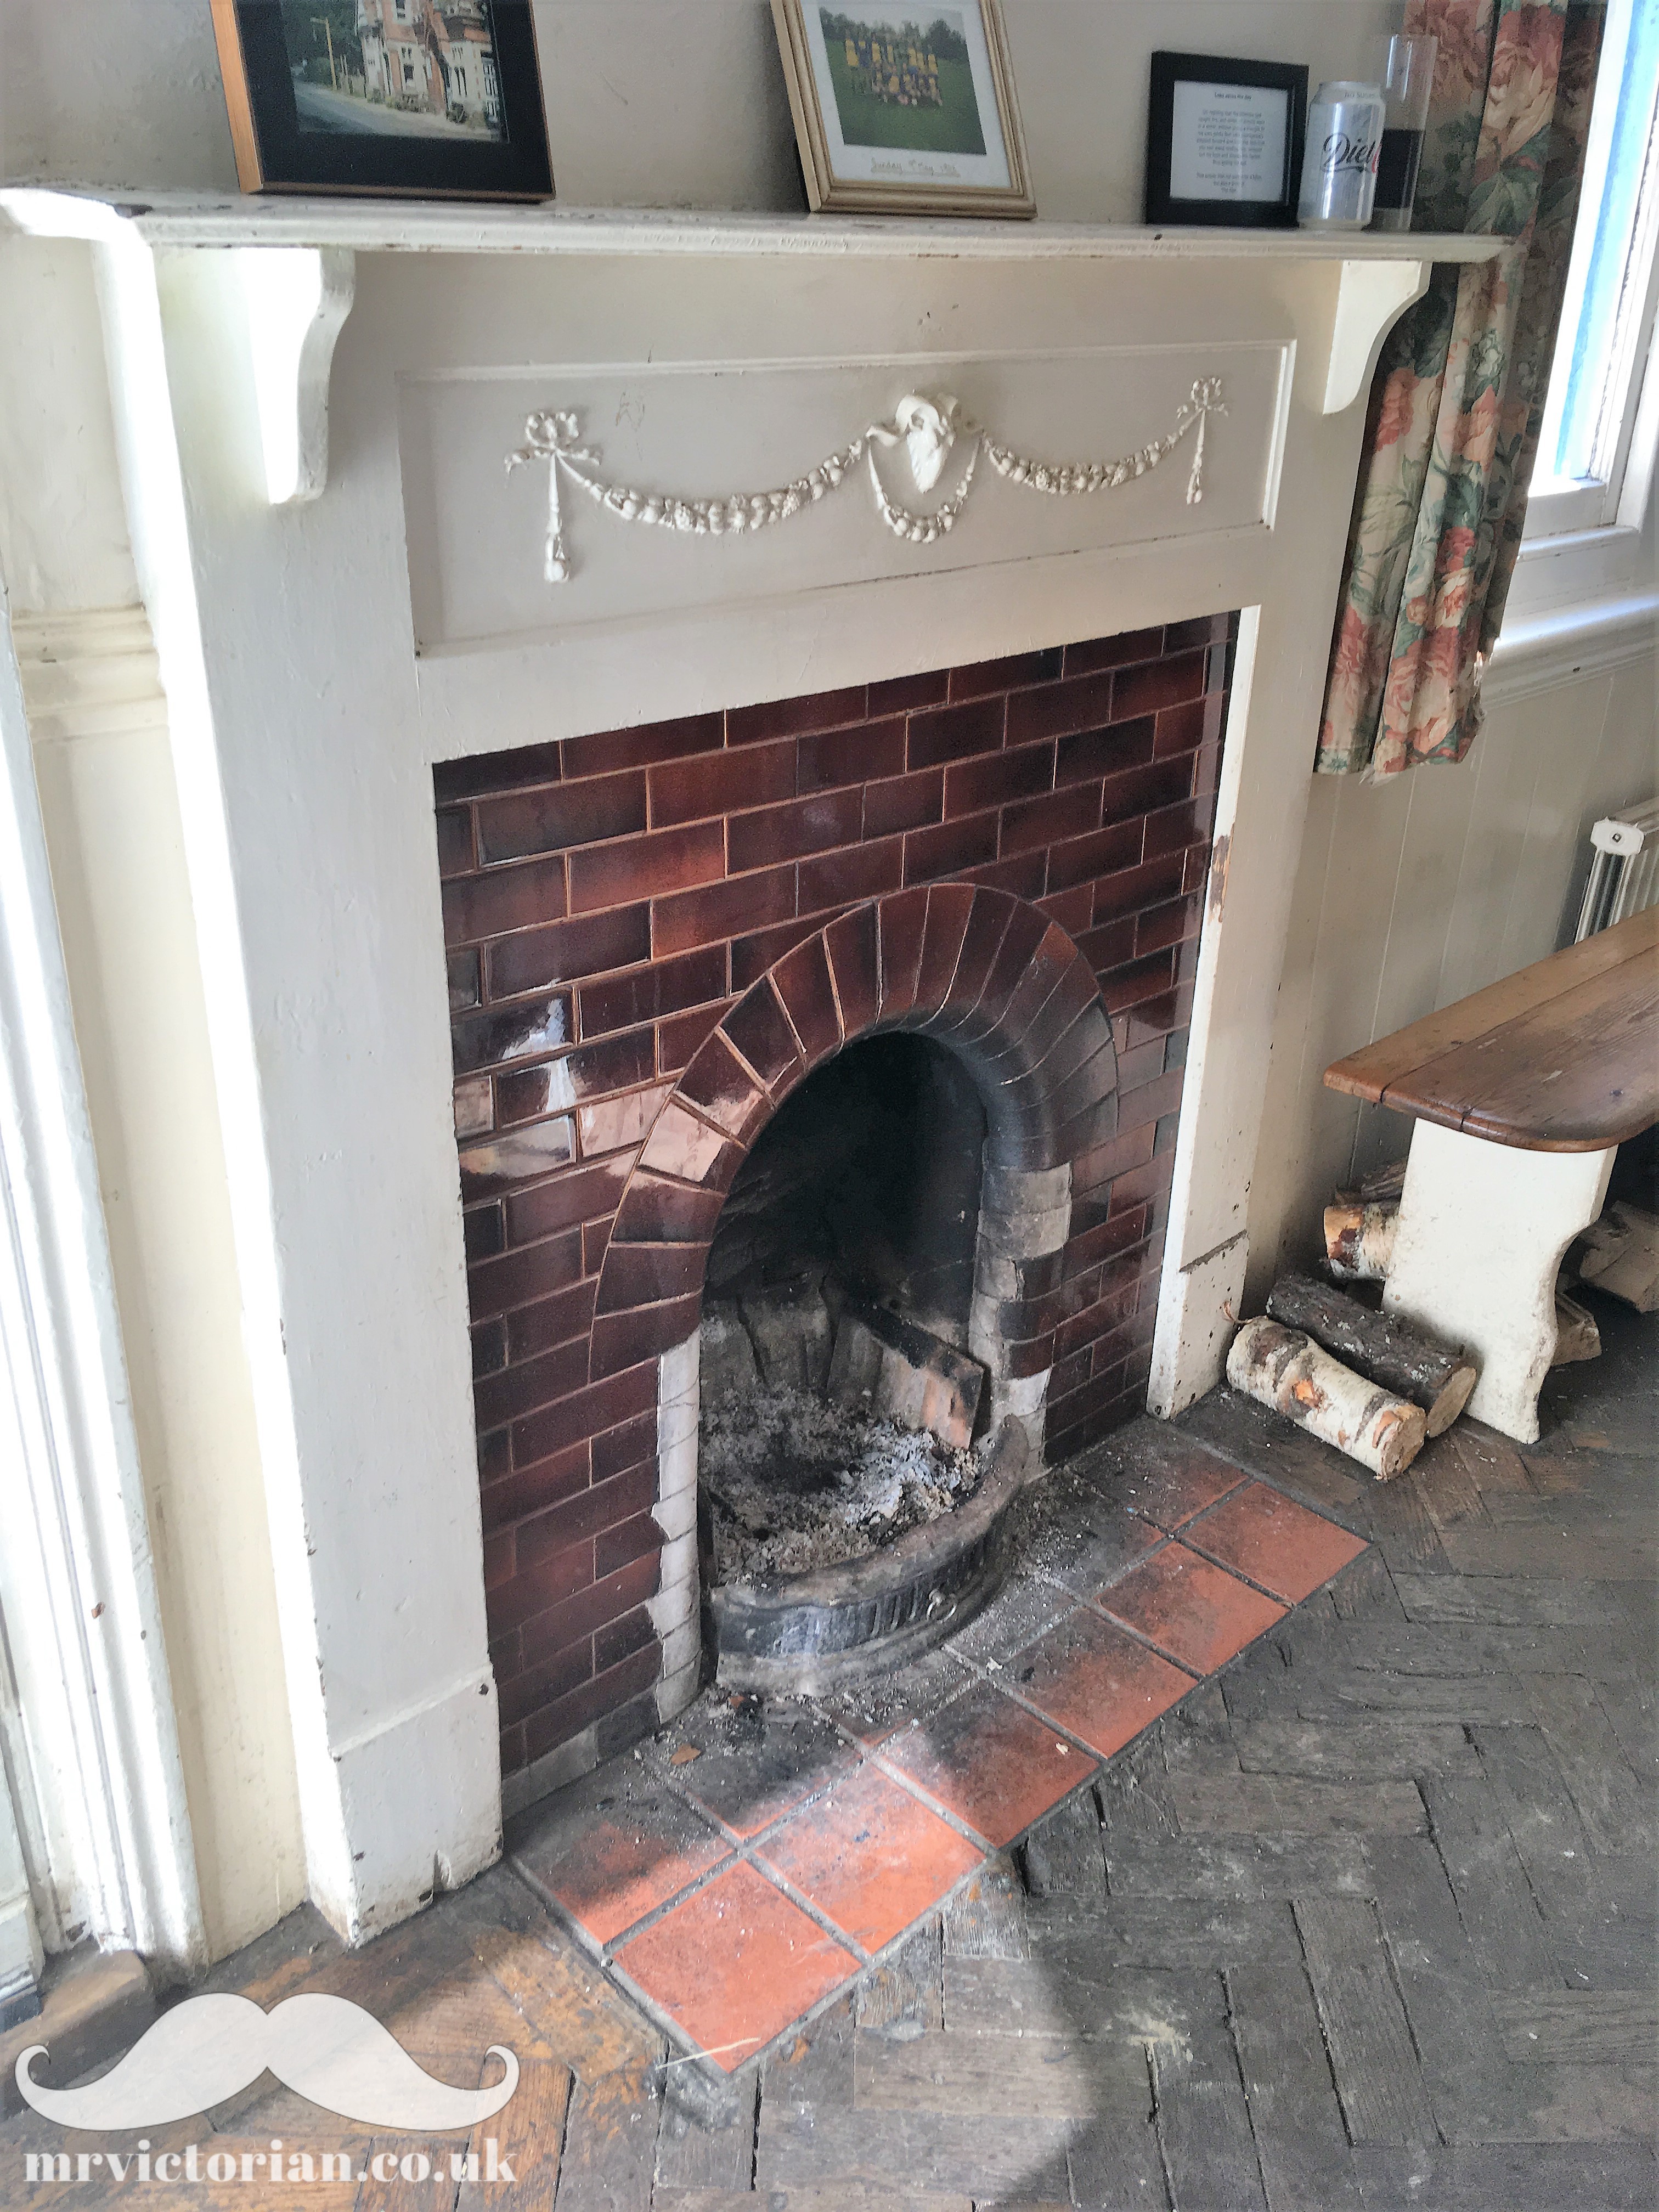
(432, 99)
(904, 106)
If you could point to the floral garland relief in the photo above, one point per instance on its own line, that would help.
(927, 430)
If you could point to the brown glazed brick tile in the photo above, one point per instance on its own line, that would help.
(1104, 751)
(538, 1328)
(1168, 1132)
(1026, 932)
(646, 1274)
(714, 783)
(758, 1028)
(464, 971)
(1127, 890)
(637, 1539)
(585, 1413)
(638, 1332)
(689, 1149)
(567, 950)
(1181, 729)
(1097, 652)
(535, 1488)
(489, 1340)
(721, 1087)
(590, 1072)
(553, 1375)
(1079, 703)
(1158, 684)
(495, 1456)
(930, 853)
(1022, 878)
(1132, 1148)
(609, 749)
(899, 693)
(1207, 773)
(556, 815)
(501, 1035)
(1073, 910)
(528, 1692)
(596, 1235)
(622, 1001)
(520, 1277)
(802, 982)
(836, 758)
(1141, 1065)
(1202, 629)
(483, 1233)
(902, 922)
(562, 1625)
(1105, 1241)
(619, 1124)
(853, 944)
(992, 779)
(660, 1211)
(988, 924)
(722, 910)
(862, 871)
(1134, 791)
(678, 1037)
(948, 907)
(1125, 986)
(1016, 669)
(1143, 1182)
(940, 734)
(583, 1193)
(647, 867)
(475, 1107)
(466, 779)
(556, 1723)
(752, 955)
(1086, 1329)
(1038, 821)
(629, 1445)
(623, 1638)
(772, 834)
(534, 1589)
(1079, 859)
(515, 899)
(455, 854)
(1170, 924)
(905, 802)
(1174, 828)
(1108, 944)
(788, 718)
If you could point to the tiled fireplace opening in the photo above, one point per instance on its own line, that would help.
(612, 901)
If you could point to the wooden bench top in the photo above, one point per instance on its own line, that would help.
(1563, 1057)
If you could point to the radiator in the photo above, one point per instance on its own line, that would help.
(1624, 876)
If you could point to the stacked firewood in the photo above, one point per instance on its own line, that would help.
(1366, 1382)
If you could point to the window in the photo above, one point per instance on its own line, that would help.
(1584, 460)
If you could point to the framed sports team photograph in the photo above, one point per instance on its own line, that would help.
(901, 110)
(431, 99)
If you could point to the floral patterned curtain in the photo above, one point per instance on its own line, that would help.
(1458, 398)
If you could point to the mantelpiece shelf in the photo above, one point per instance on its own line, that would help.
(181, 219)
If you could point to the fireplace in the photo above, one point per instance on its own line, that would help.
(885, 991)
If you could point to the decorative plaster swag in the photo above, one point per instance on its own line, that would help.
(926, 429)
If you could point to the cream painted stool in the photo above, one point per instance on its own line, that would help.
(1521, 1094)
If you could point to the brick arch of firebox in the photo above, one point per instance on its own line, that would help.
(986, 976)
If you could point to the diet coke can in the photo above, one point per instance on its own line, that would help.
(1338, 169)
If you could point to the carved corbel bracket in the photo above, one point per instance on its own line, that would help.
(1370, 298)
(297, 299)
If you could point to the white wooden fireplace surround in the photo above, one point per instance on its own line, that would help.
(314, 405)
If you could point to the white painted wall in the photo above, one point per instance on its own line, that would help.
(1411, 894)
(663, 103)
(110, 806)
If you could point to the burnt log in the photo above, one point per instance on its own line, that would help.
(1359, 1241)
(1390, 1352)
(1282, 1368)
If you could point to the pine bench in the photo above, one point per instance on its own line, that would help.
(1521, 1094)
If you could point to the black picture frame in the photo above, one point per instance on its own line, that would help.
(1169, 69)
(274, 154)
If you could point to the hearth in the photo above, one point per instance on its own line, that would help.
(858, 1019)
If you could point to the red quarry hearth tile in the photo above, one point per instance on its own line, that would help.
(1095, 1681)
(734, 1963)
(1276, 1542)
(1173, 1479)
(747, 1761)
(610, 1853)
(1189, 1609)
(995, 1766)
(870, 1857)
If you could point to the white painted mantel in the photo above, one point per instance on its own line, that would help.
(313, 404)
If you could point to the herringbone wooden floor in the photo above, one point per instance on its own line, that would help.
(1368, 1922)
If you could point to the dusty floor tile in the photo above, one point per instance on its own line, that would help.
(994, 1764)
(1195, 1612)
(871, 1857)
(747, 1760)
(1096, 1681)
(611, 1849)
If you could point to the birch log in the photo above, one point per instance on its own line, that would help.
(1389, 1352)
(1359, 1241)
(1282, 1368)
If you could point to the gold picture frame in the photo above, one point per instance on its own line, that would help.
(904, 106)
